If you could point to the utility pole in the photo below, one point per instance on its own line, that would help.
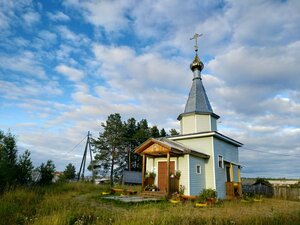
(82, 166)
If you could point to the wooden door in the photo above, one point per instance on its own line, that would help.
(162, 174)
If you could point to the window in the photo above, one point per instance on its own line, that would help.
(198, 169)
(221, 162)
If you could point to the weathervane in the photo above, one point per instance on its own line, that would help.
(196, 36)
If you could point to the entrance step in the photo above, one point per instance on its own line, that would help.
(154, 194)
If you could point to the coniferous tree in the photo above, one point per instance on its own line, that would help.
(142, 134)
(114, 148)
(109, 147)
(143, 131)
(24, 169)
(70, 172)
(8, 160)
(163, 133)
(130, 142)
(173, 132)
(154, 132)
(47, 172)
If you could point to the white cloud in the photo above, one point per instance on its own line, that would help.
(48, 36)
(22, 89)
(71, 73)
(31, 18)
(58, 16)
(24, 63)
(67, 34)
(112, 15)
(264, 22)
(4, 23)
(122, 67)
(74, 39)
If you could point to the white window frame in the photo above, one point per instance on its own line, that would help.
(200, 169)
(220, 158)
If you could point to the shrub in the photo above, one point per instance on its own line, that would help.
(207, 194)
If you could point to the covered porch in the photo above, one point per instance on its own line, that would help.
(233, 186)
(167, 166)
(165, 175)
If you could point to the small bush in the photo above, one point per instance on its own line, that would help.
(207, 194)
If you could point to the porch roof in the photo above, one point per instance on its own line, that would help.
(233, 163)
(163, 146)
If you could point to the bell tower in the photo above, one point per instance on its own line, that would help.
(198, 115)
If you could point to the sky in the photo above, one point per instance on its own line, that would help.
(66, 65)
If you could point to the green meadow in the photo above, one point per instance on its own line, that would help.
(81, 203)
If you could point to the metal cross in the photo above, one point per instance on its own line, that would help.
(196, 36)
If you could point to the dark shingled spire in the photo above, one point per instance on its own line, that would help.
(197, 102)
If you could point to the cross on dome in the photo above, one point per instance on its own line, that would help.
(196, 36)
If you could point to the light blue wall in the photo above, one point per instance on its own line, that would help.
(204, 145)
(197, 181)
(229, 153)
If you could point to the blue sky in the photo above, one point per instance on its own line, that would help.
(66, 65)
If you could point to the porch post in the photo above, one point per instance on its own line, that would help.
(231, 173)
(239, 174)
(168, 173)
(143, 172)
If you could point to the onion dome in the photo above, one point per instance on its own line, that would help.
(196, 64)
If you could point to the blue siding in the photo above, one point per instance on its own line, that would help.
(197, 181)
(229, 153)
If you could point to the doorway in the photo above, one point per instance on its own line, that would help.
(162, 174)
(228, 174)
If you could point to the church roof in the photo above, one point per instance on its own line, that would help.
(207, 134)
(173, 147)
(198, 101)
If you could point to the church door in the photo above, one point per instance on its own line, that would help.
(162, 174)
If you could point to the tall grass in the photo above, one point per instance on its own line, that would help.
(80, 203)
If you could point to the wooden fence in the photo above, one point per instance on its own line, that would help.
(287, 193)
(259, 189)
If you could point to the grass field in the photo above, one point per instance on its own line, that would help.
(80, 203)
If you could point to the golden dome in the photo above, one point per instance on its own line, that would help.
(196, 64)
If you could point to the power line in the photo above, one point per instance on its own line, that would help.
(77, 144)
(274, 153)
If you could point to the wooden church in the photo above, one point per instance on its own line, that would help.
(199, 158)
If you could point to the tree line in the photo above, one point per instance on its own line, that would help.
(18, 170)
(114, 148)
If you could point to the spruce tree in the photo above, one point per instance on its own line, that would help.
(154, 132)
(163, 133)
(8, 160)
(173, 132)
(47, 172)
(24, 169)
(130, 142)
(70, 172)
